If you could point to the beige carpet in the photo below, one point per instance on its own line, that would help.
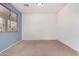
(40, 48)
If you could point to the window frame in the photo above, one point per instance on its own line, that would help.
(3, 4)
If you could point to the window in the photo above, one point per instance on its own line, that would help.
(1, 25)
(7, 20)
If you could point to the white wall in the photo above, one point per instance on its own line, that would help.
(68, 25)
(64, 26)
(39, 26)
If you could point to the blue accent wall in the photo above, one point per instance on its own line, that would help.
(8, 38)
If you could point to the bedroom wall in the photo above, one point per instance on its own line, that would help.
(39, 26)
(9, 38)
(68, 25)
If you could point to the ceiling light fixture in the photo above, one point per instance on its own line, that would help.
(39, 4)
(26, 5)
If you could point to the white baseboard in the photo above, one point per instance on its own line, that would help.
(10, 46)
(48, 38)
(69, 45)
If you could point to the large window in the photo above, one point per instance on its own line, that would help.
(7, 20)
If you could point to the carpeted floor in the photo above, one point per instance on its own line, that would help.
(40, 48)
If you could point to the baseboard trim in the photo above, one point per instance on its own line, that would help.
(68, 45)
(53, 38)
(10, 46)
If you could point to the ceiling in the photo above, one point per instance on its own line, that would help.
(34, 8)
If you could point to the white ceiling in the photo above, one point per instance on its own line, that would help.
(33, 8)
